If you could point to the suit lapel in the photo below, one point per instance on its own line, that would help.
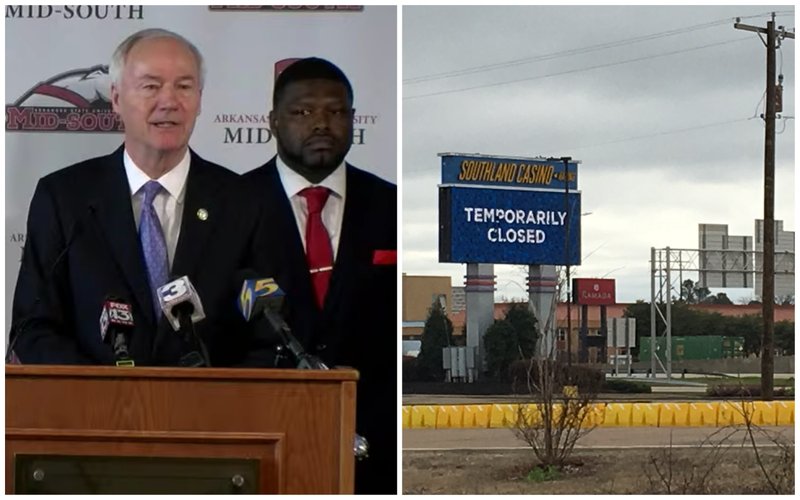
(347, 256)
(114, 217)
(200, 200)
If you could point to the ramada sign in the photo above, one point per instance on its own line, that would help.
(593, 292)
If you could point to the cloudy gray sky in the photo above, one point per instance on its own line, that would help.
(660, 104)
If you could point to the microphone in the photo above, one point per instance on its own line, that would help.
(265, 297)
(21, 325)
(182, 307)
(116, 320)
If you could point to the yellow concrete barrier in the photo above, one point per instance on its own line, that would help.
(703, 414)
(511, 414)
(730, 413)
(450, 417)
(725, 414)
(531, 414)
(406, 417)
(784, 412)
(682, 414)
(557, 408)
(767, 412)
(674, 415)
(593, 415)
(477, 416)
(749, 413)
(645, 414)
(503, 415)
(754, 410)
(667, 414)
(496, 417)
(617, 414)
(596, 416)
(423, 417)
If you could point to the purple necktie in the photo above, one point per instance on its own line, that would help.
(153, 244)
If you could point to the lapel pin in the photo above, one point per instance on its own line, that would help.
(202, 214)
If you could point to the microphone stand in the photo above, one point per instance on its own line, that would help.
(306, 361)
(192, 359)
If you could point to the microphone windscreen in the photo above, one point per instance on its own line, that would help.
(255, 294)
(115, 313)
(180, 292)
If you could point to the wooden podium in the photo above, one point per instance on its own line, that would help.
(293, 429)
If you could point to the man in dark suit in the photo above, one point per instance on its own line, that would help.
(329, 238)
(127, 223)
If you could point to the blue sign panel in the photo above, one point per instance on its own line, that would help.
(508, 172)
(507, 226)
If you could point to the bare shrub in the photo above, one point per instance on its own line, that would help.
(669, 474)
(559, 412)
(777, 471)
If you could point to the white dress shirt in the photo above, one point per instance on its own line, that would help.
(168, 203)
(332, 213)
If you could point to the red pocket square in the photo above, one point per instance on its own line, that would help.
(384, 257)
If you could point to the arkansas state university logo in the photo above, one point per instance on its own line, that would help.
(74, 101)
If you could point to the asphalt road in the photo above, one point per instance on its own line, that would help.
(460, 399)
(658, 394)
(604, 437)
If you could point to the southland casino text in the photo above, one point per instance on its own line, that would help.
(489, 171)
(508, 210)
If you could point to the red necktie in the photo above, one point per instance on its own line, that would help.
(319, 253)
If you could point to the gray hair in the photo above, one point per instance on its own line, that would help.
(121, 54)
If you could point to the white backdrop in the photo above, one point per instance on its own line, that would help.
(240, 49)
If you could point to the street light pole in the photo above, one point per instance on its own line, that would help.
(566, 160)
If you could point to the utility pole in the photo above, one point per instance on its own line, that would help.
(768, 281)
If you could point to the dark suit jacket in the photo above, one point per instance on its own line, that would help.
(82, 245)
(357, 326)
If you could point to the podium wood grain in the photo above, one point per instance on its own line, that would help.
(299, 424)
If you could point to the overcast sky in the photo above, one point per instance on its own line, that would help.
(668, 140)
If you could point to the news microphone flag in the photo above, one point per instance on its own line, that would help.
(253, 290)
(115, 313)
(117, 317)
(178, 292)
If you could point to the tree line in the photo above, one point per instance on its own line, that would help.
(688, 322)
(514, 337)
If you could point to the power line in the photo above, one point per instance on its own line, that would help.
(556, 55)
(632, 138)
(659, 134)
(577, 51)
(578, 70)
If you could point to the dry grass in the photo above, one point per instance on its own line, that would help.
(588, 471)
